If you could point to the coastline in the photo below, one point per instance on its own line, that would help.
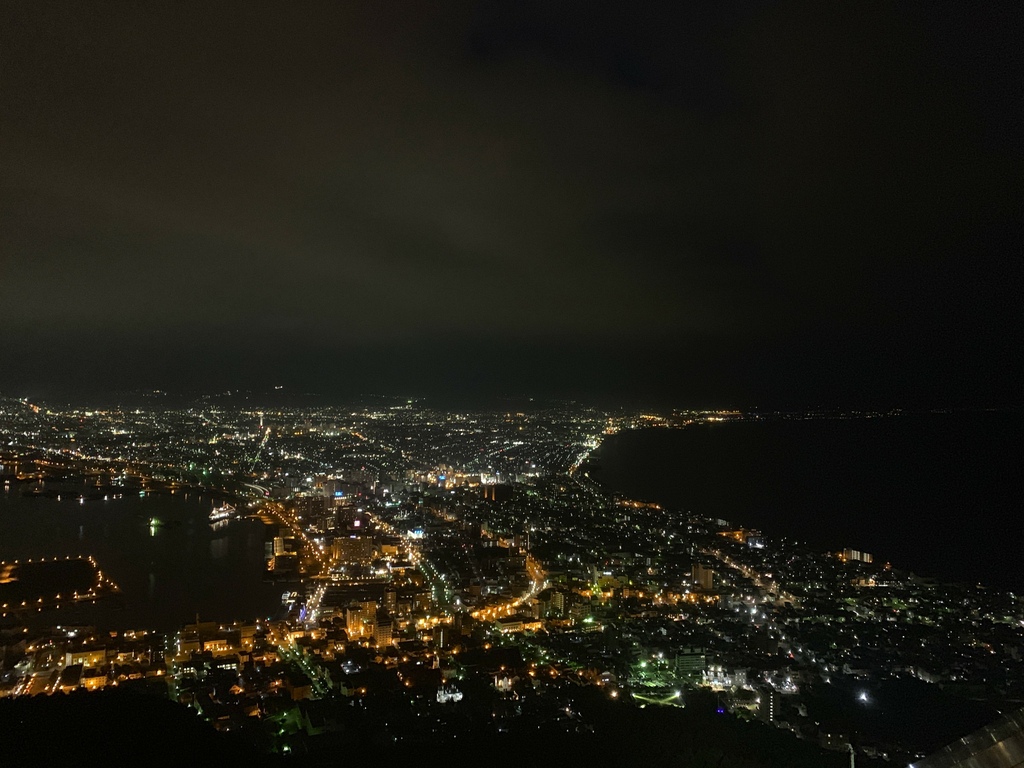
(159, 549)
(825, 483)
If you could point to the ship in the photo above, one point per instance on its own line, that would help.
(223, 512)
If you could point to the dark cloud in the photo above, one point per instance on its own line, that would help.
(790, 201)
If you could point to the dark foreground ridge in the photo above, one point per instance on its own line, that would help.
(118, 726)
(112, 726)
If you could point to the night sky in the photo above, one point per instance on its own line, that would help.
(714, 204)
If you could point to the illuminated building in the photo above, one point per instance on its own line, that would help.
(448, 693)
(94, 679)
(512, 624)
(855, 555)
(382, 630)
(284, 545)
(721, 678)
(286, 562)
(691, 661)
(703, 576)
(770, 704)
(509, 624)
(360, 619)
(558, 603)
(353, 549)
(94, 657)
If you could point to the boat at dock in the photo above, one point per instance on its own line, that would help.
(223, 512)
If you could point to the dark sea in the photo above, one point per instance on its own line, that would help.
(940, 494)
(168, 571)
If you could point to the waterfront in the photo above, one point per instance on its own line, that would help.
(936, 493)
(169, 563)
(637, 603)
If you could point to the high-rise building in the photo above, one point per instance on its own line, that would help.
(558, 603)
(382, 630)
(703, 576)
(855, 555)
(691, 661)
(361, 619)
(769, 705)
(353, 549)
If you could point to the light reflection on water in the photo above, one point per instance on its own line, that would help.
(160, 549)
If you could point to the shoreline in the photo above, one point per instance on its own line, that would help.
(627, 476)
(154, 547)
